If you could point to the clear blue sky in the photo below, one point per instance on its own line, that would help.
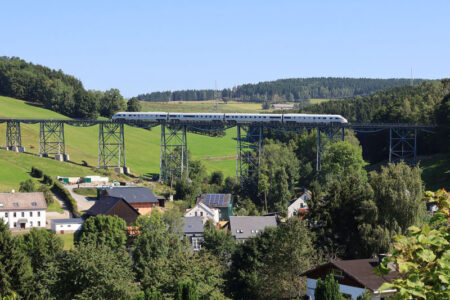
(144, 46)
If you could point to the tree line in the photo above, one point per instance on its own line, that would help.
(57, 91)
(282, 90)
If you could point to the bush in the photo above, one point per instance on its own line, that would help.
(27, 186)
(60, 190)
(48, 179)
(47, 194)
(35, 172)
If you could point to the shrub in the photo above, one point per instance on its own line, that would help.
(60, 190)
(47, 194)
(48, 179)
(35, 172)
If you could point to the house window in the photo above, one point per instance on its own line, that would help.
(201, 214)
(195, 213)
(31, 223)
(39, 223)
(23, 214)
(39, 213)
(6, 214)
(15, 215)
(31, 213)
(15, 224)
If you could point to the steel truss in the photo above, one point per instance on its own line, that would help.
(249, 147)
(13, 135)
(173, 154)
(51, 138)
(327, 135)
(403, 145)
(111, 146)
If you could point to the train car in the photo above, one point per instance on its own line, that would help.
(247, 118)
(140, 116)
(309, 118)
(206, 117)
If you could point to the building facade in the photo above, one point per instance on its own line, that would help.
(23, 210)
(204, 212)
(67, 225)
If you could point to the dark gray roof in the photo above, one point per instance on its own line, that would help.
(215, 200)
(102, 206)
(68, 221)
(132, 194)
(244, 227)
(193, 225)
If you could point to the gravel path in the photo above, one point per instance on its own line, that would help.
(56, 215)
(84, 203)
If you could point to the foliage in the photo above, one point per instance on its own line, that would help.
(27, 186)
(365, 296)
(186, 290)
(268, 265)
(41, 246)
(219, 243)
(54, 89)
(374, 211)
(327, 289)
(422, 257)
(133, 105)
(87, 272)
(342, 159)
(108, 231)
(278, 174)
(149, 294)
(47, 194)
(295, 89)
(216, 178)
(15, 267)
(65, 195)
(35, 172)
(111, 102)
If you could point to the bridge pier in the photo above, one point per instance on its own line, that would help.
(13, 137)
(327, 135)
(403, 145)
(173, 153)
(52, 141)
(249, 147)
(111, 147)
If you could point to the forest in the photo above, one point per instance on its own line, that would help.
(282, 90)
(55, 90)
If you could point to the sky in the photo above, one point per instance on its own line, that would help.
(146, 46)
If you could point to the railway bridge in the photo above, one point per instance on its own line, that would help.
(173, 148)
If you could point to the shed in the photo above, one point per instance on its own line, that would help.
(67, 225)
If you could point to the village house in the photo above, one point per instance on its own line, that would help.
(23, 210)
(222, 202)
(244, 227)
(204, 212)
(354, 276)
(193, 230)
(113, 206)
(299, 205)
(140, 198)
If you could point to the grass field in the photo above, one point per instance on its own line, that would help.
(67, 238)
(202, 106)
(88, 192)
(56, 207)
(142, 148)
(436, 172)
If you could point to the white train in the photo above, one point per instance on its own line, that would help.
(232, 118)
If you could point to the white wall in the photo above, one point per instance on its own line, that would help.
(32, 220)
(66, 227)
(199, 211)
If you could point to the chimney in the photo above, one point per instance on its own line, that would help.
(13, 191)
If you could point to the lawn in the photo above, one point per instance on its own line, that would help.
(88, 192)
(67, 238)
(436, 172)
(56, 207)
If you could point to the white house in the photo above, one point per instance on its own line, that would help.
(299, 204)
(354, 276)
(23, 210)
(203, 211)
(67, 225)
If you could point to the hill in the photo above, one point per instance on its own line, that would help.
(284, 90)
(142, 146)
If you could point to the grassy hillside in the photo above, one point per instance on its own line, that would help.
(142, 146)
(202, 106)
(436, 172)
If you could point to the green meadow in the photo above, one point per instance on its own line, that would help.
(142, 147)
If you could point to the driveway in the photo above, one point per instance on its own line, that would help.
(83, 203)
(56, 215)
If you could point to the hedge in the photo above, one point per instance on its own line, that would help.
(36, 173)
(48, 179)
(59, 189)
